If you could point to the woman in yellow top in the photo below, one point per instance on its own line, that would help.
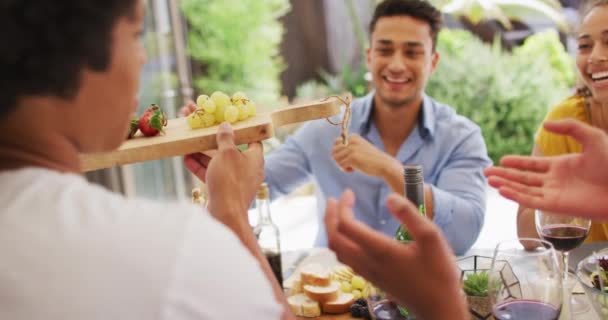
(589, 105)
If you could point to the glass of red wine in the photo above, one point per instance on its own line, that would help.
(565, 233)
(381, 307)
(525, 284)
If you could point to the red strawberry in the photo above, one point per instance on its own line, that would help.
(133, 127)
(152, 121)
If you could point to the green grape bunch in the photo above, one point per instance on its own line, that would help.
(219, 107)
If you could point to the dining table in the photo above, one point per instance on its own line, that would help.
(293, 261)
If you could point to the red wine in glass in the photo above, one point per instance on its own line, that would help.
(524, 310)
(564, 237)
(387, 310)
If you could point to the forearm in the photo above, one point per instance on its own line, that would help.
(231, 217)
(526, 226)
(392, 174)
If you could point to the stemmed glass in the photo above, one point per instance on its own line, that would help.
(525, 285)
(381, 307)
(565, 233)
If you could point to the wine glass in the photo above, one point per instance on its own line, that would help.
(565, 233)
(382, 307)
(525, 285)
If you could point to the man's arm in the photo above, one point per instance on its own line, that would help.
(459, 194)
(456, 202)
(288, 167)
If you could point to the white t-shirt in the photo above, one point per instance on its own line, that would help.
(72, 250)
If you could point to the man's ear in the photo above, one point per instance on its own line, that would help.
(434, 61)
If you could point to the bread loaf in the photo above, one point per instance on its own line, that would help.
(315, 275)
(303, 306)
(340, 305)
(323, 294)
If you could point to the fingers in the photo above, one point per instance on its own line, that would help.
(256, 149)
(341, 154)
(358, 245)
(346, 250)
(187, 109)
(522, 177)
(498, 182)
(423, 230)
(331, 216)
(197, 164)
(374, 245)
(354, 138)
(535, 164)
(338, 143)
(582, 132)
(346, 204)
(255, 155)
(210, 153)
(225, 137)
(527, 200)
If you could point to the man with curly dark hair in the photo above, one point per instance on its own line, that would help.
(70, 250)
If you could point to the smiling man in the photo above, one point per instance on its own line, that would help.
(394, 125)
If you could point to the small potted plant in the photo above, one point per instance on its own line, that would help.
(474, 277)
(475, 286)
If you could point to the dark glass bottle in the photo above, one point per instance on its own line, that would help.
(267, 233)
(414, 191)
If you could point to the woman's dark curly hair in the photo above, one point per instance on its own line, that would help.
(45, 44)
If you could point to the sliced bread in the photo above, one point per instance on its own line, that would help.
(296, 287)
(302, 306)
(340, 305)
(315, 275)
(323, 294)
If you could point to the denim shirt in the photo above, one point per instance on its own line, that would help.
(449, 147)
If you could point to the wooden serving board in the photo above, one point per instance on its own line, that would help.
(324, 316)
(180, 140)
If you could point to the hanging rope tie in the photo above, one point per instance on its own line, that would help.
(345, 119)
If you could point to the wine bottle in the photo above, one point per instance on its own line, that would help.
(267, 233)
(414, 191)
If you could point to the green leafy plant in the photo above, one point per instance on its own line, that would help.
(350, 79)
(236, 46)
(506, 94)
(547, 46)
(503, 11)
(476, 284)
